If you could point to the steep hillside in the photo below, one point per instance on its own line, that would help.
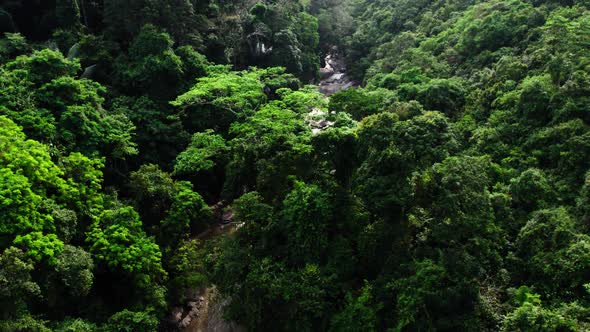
(446, 188)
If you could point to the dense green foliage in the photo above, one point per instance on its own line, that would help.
(449, 191)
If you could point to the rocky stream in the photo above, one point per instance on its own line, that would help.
(203, 309)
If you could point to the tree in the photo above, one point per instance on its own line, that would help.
(171, 205)
(128, 321)
(74, 266)
(112, 133)
(458, 213)
(359, 313)
(295, 298)
(204, 152)
(531, 318)
(221, 98)
(40, 195)
(25, 323)
(529, 315)
(531, 190)
(490, 26)
(153, 190)
(358, 102)
(270, 146)
(63, 102)
(151, 67)
(75, 325)
(159, 133)
(16, 284)
(85, 176)
(41, 248)
(584, 199)
(117, 240)
(65, 220)
(251, 210)
(20, 206)
(306, 27)
(551, 253)
(390, 150)
(44, 66)
(12, 45)
(535, 99)
(444, 95)
(124, 19)
(334, 144)
(288, 52)
(416, 292)
(305, 220)
(188, 214)
(187, 268)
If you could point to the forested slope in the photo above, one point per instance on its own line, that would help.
(450, 191)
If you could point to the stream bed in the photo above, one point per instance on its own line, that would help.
(333, 76)
(203, 312)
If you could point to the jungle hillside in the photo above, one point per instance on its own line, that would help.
(294, 165)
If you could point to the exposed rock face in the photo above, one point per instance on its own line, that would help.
(333, 74)
(193, 312)
(204, 313)
(228, 215)
(203, 308)
(183, 317)
(316, 119)
(216, 323)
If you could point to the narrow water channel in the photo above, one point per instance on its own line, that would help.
(204, 310)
